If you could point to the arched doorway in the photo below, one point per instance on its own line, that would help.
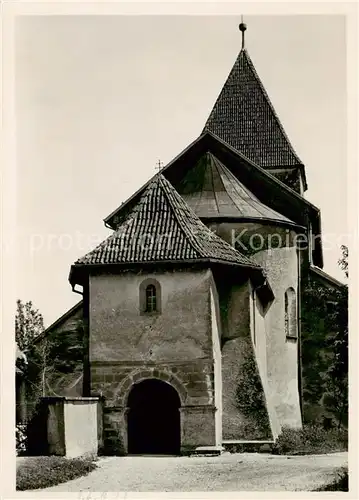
(154, 419)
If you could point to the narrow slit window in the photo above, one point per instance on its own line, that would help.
(151, 299)
(286, 315)
(290, 314)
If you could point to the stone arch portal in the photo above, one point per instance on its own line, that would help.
(153, 418)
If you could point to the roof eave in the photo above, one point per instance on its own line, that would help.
(258, 276)
(78, 267)
(262, 220)
(264, 172)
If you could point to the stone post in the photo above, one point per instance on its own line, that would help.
(115, 430)
(198, 427)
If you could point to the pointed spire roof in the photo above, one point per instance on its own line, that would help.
(162, 227)
(212, 191)
(244, 117)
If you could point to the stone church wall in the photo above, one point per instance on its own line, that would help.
(127, 346)
(281, 265)
(119, 332)
(274, 249)
(244, 406)
(260, 341)
(217, 362)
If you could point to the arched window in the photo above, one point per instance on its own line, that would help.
(150, 296)
(290, 314)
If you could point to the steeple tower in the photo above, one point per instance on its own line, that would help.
(244, 117)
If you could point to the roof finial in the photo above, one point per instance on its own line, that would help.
(242, 28)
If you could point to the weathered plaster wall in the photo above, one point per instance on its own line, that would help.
(118, 331)
(258, 334)
(260, 340)
(234, 309)
(282, 354)
(81, 431)
(251, 237)
(273, 248)
(73, 426)
(240, 375)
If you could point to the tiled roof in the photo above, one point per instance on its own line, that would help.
(211, 190)
(162, 227)
(67, 315)
(244, 117)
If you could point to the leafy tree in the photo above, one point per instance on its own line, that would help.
(343, 261)
(325, 349)
(21, 359)
(44, 360)
(29, 324)
(336, 397)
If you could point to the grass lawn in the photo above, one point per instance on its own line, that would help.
(340, 483)
(41, 472)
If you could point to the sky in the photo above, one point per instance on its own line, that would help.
(100, 99)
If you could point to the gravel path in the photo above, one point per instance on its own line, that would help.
(228, 472)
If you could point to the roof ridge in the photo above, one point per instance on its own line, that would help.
(167, 193)
(229, 175)
(214, 165)
(235, 199)
(251, 197)
(196, 244)
(126, 221)
(192, 239)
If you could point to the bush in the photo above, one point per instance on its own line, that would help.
(42, 472)
(311, 439)
(20, 439)
(340, 483)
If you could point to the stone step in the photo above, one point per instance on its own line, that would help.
(208, 451)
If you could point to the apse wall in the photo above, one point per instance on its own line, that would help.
(275, 249)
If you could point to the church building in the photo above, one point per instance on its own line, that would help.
(191, 307)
